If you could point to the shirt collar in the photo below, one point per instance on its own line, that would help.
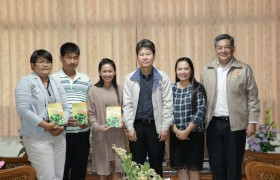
(227, 66)
(188, 88)
(146, 77)
(136, 76)
(62, 74)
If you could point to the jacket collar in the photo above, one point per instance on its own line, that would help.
(136, 75)
(40, 84)
(234, 64)
(156, 81)
(35, 76)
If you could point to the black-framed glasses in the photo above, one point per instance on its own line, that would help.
(42, 63)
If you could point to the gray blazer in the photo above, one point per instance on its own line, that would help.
(32, 103)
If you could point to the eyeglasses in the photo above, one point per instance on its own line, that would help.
(42, 63)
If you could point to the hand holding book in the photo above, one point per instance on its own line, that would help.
(48, 126)
(104, 128)
(51, 127)
(72, 122)
(83, 126)
(57, 130)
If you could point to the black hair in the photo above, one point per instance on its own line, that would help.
(197, 87)
(147, 44)
(69, 47)
(224, 36)
(40, 53)
(100, 83)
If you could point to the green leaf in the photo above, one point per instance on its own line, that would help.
(267, 116)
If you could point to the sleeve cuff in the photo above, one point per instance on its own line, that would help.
(253, 122)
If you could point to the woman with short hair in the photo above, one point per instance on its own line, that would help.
(44, 141)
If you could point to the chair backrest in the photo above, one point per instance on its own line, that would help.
(262, 171)
(11, 162)
(248, 170)
(21, 172)
(269, 158)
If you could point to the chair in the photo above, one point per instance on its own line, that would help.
(11, 162)
(262, 171)
(268, 158)
(18, 168)
(18, 173)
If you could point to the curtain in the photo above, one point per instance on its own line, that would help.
(111, 29)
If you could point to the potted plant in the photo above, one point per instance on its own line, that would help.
(266, 134)
(134, 171)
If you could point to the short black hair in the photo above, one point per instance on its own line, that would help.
(224, 36)
(40, 53)
(147, 44)
(69, 47)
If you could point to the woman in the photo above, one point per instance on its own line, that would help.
(106, 92)
(44, 141)
(187, 136)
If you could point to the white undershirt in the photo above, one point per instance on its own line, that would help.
(221, 108)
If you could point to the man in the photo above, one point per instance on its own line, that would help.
(147, 108)
(233, 109)
(76, 86)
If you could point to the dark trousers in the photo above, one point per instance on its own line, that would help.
(147, 143)
(225, 149)
(77, 149)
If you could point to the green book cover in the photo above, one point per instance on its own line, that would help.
(113, 116)
(56, 114)
(79, 112)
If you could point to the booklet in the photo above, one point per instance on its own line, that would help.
(113, 116)
(56, 114)
(79, 112)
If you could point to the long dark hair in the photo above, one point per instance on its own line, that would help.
(197, 87)
(100, 83)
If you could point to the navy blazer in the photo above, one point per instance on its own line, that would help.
(32, 103)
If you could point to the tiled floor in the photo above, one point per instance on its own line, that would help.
(203, 177)
(168, 172)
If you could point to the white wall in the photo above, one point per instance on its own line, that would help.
(9, 146)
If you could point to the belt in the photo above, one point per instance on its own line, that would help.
(223, 118)
(145, 121)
